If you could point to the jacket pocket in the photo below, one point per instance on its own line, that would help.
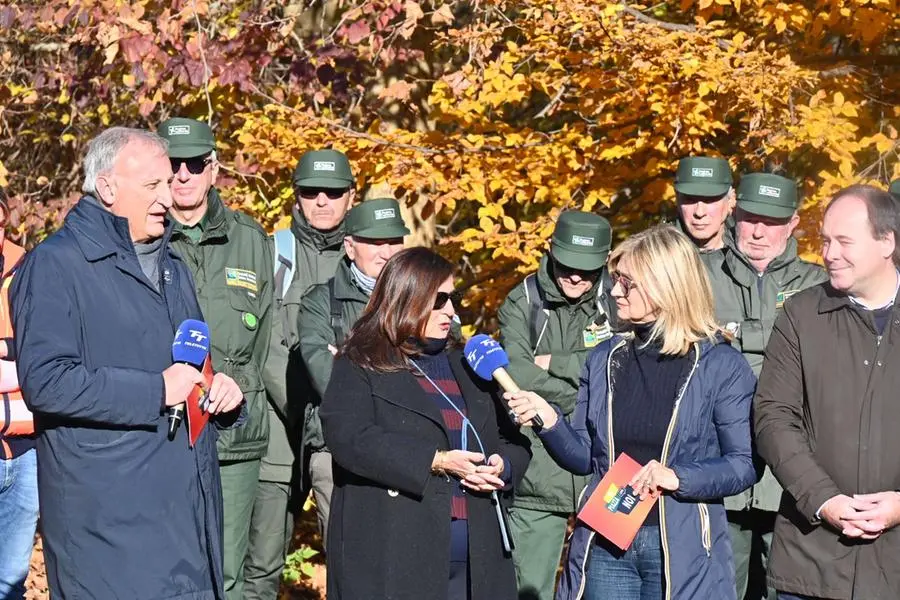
(705, 533)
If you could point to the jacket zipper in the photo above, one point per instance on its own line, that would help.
(666, 444)
(705, 533)
(611, 450)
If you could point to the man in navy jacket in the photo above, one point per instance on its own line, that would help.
(125, 512)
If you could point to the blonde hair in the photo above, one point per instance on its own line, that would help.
(667, 267)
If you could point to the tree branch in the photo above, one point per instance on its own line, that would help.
(206, 70)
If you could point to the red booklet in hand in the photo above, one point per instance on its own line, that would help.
(614, 510)
(197, 404)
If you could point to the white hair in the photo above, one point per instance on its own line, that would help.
(103, 150)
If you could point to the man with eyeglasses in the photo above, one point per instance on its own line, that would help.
(230, 257)
(549, 324)
(756, 276)
(374, 233)
(306, 254)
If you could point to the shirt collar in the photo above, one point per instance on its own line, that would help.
(862, 304)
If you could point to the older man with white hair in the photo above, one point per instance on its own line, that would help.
(125, 512)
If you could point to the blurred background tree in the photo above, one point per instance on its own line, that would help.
(485, 118)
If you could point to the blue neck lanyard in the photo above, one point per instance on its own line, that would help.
(466, 423)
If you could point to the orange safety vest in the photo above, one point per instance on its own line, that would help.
(15, 418)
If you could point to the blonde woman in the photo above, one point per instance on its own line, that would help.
(675, 396)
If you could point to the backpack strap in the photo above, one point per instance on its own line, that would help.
(538, 314)
(605, 307)
(285, 261)
(337, 318)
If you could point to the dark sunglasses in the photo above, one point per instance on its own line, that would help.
(626, 282)
(441, 299)
(563, 271)
(195, 165)
(312, 193)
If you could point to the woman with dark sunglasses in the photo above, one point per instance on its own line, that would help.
(421, 449)
(673, 395)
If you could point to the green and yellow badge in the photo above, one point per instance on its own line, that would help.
(593, 334)
(241, 278)
(782, 296)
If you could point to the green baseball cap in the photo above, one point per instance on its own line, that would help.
(767, 195)
(895, 188)
(377, 219)
(703, 176)
(581, 240)
(328, 169)
(187, 137)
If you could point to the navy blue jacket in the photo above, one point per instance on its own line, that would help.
(708, 448)
(125, 513)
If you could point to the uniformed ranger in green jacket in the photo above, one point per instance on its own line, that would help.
(756, 277)
(230, 257)
(705, 197)
(549, 324)
(306, 254)
(374, 233)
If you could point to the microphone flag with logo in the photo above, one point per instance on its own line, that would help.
(191, 347)
(489, 361)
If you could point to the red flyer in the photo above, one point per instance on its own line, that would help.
(197, 414)
(614, 510)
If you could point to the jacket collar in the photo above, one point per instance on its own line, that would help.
(833, 300)
(310, 236)
(100, 234)
(344, 288)
(745, 274)
(213, 222)
(402, 388)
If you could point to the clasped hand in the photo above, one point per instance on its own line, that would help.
(470, 469)
(862, 516)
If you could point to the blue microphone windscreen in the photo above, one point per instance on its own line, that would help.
(191, 343)
(485, 355)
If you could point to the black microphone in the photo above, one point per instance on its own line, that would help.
(191, 347)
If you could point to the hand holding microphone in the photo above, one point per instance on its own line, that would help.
(489, 361)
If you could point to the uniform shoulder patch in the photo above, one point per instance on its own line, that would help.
(241, 278)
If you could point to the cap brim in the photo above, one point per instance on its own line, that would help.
(708, 190)
(328, 183)
(189, 151)
(766, 210)
(583, 261)
(380, 233)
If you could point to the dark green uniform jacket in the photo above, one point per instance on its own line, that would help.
(232, 267)
(317, 333)
(317, 256)
(747, 304)
(568, 339)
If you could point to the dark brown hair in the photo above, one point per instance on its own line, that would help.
(398, 311)
(883, 212)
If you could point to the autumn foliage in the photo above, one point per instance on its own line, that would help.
(485, 117)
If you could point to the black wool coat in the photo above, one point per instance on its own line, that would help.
(389, 530)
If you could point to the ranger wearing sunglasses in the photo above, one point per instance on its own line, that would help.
(549, 324)
(306, 254)
(374, 233)
(895, 188)
(230, 258)
(757, 274)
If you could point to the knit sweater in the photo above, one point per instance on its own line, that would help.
(646, 384)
